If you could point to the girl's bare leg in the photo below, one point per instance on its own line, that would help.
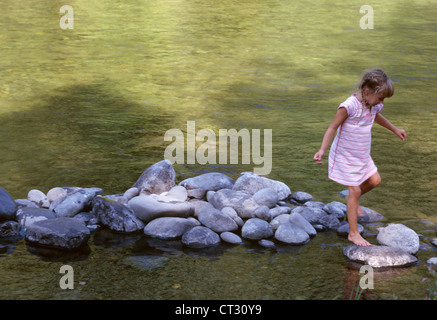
(365, 187)
(352, 209)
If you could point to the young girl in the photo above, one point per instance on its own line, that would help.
(350, 162)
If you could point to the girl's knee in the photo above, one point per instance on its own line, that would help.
(376, 179)
(354, 192)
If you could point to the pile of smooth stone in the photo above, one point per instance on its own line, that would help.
(201, 211)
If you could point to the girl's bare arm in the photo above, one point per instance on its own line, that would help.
(382, 121)
(339, 118)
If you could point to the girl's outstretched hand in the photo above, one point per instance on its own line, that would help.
(318, 157)
(401, 134)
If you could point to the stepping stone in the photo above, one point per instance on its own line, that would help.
(379, 256)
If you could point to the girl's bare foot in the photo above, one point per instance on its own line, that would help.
(358, 240)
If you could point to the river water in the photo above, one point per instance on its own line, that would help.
(90, 106)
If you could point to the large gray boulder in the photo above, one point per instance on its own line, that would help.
(72, 203)
(168, 228)
(149, 207)
(7, 205)
(158, 178)
(379, 256)
(250, 183)
(116, 216)
(63, 233)
(400, 237)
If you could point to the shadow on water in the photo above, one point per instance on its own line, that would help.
(86, 134)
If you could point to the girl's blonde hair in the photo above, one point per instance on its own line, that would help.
(377, 81)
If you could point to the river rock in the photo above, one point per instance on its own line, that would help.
(282, 218)
(56, 193)
(146, 263)
(216, 219)
(168, 228)
(336, 209)
(177, 193)
(343, 229)
(370, 215)
(211, 181)
(129, 194)
(116, 216)
(241, 202)
(22, 203)
(314, 204)
(278, 210)
(200, 237)
(64, 233)
(301, 197)
(28, 215)
(379, 256)
(290, 233)
(75, 202)
(149, 207)
(263, 212)
(256, 229)
(230, 237)
(11, 231)
(330, 221)
(267, 244)
(266, 197)
(7, 205)
(312, 214)
(399, 236)
(230, 212)
(300, 221)
(39, 198)
(158, 178)
(250, 183)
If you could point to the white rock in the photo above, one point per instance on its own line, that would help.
(39, 198)
(56, 193)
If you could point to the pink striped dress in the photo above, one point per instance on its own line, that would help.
(350, 162)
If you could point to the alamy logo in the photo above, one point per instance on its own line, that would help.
(206, 152)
